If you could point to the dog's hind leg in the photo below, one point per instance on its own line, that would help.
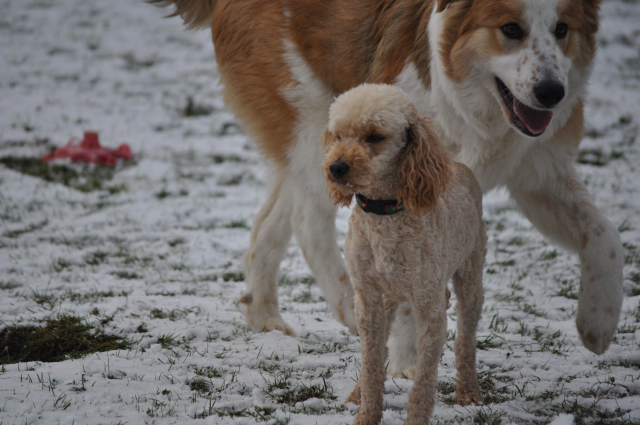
(467, 285)
(269, 238)
(402, 344)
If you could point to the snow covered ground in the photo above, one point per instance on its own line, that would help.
(154, 254)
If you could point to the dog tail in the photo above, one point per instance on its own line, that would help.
(194, 13)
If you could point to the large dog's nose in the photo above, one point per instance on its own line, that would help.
(338, 169)
(549, 93)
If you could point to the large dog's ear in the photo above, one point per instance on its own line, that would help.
(425, 168)
(591, 9)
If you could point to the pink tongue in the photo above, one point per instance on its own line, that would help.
(535, 120)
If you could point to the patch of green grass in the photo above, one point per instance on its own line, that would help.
(494, 388)
(125, 274)
(529, 309)
(28, 229)
(282, 391)
(208, 372)
(86, 180)
(627, 329)
(117, 188)
(96, 258)
(625, 226)
(219, 158)
(232, 180)
(9, 285)
(233, 277)
(91, 296)
(193, 109)
(490, 341)
(200, 385)
(486, 416)
(157, 313)
(550, 255)
(567, 290)
(59, 339)
(553, 342)
(237, 224)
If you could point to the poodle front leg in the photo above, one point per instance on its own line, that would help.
(431, 327)
(564, 211)
(390, 308)
(269, 238)
(370, 314)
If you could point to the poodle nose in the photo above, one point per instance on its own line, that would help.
(549, 93)
(338, 169)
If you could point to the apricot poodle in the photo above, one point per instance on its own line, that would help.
(418, 224)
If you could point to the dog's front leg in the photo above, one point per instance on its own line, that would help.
(370, 314)
(390, 308)
(562, 209)
(313, 221)
(431, 326)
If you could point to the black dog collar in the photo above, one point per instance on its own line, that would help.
(379, 207)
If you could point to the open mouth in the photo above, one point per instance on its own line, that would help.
(530, 121)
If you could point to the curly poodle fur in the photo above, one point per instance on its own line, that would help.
(377, 145)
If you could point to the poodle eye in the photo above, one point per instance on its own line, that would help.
(512, 31)
(561, 30)
(374, 138)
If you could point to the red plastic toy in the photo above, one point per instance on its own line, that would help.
(89, 150)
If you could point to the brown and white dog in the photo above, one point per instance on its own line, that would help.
(504, 81)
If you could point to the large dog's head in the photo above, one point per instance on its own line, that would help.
(532, 56)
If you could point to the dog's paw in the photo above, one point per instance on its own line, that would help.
(408, 373)
(259, 318)
(368, 418)
(599, 307)
(467, 394)
(596, 329)
(277, 324)
(354, 397)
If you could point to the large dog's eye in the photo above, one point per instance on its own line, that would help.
(374, 138)
(512, 31)
(561, 30)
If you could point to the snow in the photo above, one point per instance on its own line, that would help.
(167, 248)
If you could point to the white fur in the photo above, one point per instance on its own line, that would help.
(313, 216)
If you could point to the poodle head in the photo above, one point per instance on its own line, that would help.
(378, 145)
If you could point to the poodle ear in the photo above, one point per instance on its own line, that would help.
(425, 168)
(328, 137)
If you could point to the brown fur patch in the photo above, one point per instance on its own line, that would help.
(425, 168)
(195, 14)
(582, 18)
(254, 75)
(470, 32)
